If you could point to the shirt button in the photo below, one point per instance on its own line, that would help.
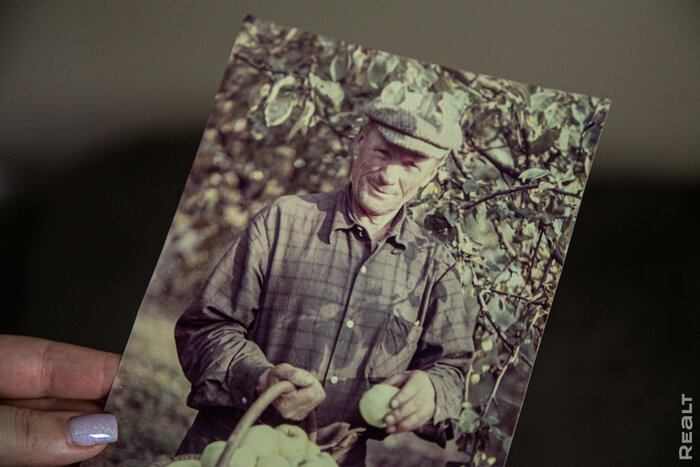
(363, 269)
(244, 400)
(334, 379)
(350, 324)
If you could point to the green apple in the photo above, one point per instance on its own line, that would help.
(272, 460)
(374, 405)
(312, 449)
(243, 457)
(293, 441)
(212, 453)
(263, 439)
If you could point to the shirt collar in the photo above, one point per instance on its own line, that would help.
(400, 234)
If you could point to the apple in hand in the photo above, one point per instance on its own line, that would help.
(374, 405)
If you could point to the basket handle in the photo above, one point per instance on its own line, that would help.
(253, 413)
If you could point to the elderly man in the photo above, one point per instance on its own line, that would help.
(336, 292)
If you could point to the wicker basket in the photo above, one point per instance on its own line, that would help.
(247, 420)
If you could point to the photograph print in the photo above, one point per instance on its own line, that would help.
(361, 265)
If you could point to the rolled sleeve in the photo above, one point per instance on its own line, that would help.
(217, 358)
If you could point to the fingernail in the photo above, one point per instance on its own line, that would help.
(99, 428)
(390, 419)
(394, 404)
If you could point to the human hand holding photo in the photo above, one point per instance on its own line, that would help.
(49, 409)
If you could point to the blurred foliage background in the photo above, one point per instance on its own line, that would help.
(283, 122)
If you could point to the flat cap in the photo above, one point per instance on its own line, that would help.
(432, 135)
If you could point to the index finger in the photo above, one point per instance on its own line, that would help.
(408, 391)
(31, 368)
(298, 376)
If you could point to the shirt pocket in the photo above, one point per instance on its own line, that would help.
(394, 350)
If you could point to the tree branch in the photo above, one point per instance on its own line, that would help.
(566, 193)
(500, 193)
(266, 70)
(499, 333)
(513, 355)
(262, 69)
(519, 297)
(532, 258)
(455, 161)
(501, 167)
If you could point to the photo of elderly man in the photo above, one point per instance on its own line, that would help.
(336, 292)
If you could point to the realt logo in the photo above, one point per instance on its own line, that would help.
(685, 451)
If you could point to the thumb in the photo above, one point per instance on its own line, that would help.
(299, 377)
(38, 438)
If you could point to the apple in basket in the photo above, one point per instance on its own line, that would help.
(264, 446)
(243, 457)
(293, 441)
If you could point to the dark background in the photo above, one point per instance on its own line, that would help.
(103, 106)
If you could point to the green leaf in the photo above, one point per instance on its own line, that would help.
(502, 155)
(452, 219)
(279, 109)
(541, 99)
(326, 42)
(477, 98)
(426, 79)
(380, 67)
(280, 84)
(453, 105)
(302, 123)
(469, 186)
(563, 140)
(533, 173)
(393, 93)
(339, 66)
(580, 111)
(469, 420)
(328, 89)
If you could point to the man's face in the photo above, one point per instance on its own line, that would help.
(385, 176)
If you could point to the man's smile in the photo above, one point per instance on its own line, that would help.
(379, 191)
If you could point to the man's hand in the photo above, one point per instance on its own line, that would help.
(414, 405)
(46, 390)
(297, 404)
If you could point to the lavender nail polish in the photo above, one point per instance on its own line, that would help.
(99, 428)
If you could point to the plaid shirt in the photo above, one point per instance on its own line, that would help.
(302, 285)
